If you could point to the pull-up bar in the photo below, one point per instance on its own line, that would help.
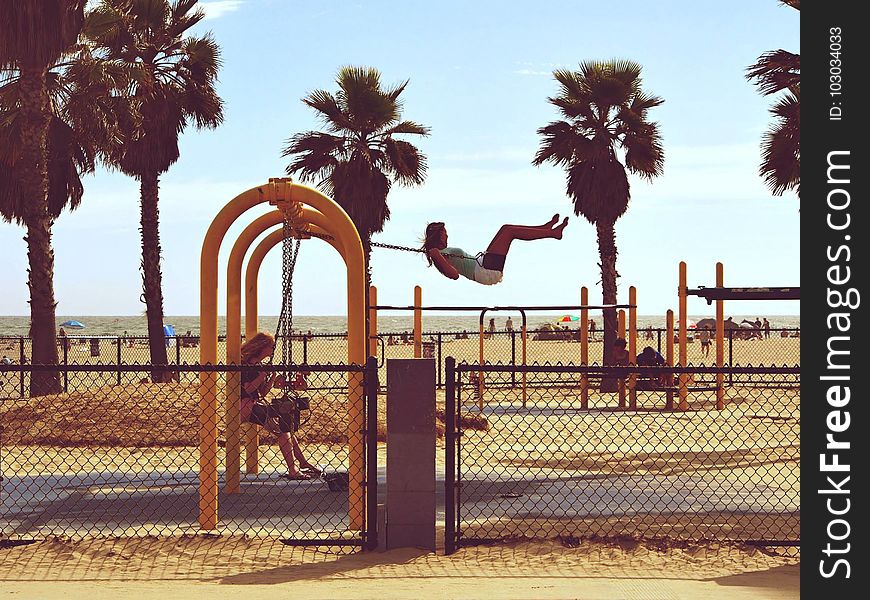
(746, 293)
(501, 308)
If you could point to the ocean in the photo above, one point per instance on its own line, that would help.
(136, 325)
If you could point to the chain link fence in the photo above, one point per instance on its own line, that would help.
(776, 346)
(116, 455)
(535, 460)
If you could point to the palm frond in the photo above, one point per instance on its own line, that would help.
(404, 162)
(775, 71)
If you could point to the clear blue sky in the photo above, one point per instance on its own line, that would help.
(480, 74)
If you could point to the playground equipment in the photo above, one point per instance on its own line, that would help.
(305, 209)
(584, 309)
(718, 295)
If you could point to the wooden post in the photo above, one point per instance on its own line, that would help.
(418, 322)
(632, 346)
(669, 358)
(720, 339)
(584, 347)
(620, 332)
(684, 379)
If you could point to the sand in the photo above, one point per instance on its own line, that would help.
(200, 567)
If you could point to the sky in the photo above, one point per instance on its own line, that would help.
(480, 74)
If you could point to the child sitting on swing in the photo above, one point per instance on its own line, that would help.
(486, 267)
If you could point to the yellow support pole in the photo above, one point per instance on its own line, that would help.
(584, 347)
(418, 322)
(620, 332)
(632, 346)
(720, 339)
(669, 357)
(684, 379)
(373, 321)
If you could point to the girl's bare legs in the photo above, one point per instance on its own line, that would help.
(297, 452)
(286, 443)
(501, 243)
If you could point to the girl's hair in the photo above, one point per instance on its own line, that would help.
(255, 346)
(431, 238)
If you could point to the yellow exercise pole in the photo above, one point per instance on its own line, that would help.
(252, 273)
(584, 347)
(720, 339)
(669, 358)
(418, 322)
(620, 332)
(632, 346)
(684, 380)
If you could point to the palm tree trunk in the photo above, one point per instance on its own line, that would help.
(34, 157)
(151, 277)
(607, 254)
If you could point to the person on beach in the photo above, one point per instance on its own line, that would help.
(254, 387)
(766, 327)
(704, 336)
(487, 267)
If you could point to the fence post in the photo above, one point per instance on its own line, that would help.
(411, 465)
(21, 358)
(440, 381)
(371, 376)
(65, 363)
(720, 342)
(620, 332)
(450, 439)
(584, 347)
(305, 348)
(730, 356)
(513, 359)
(119, 360)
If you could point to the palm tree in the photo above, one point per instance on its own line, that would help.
(172, 83)
(604, 110)
(772, 73)
(359, 157)
(33, 36)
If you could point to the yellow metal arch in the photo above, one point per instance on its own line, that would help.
(288, 197)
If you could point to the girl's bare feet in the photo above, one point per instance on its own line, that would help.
(552, 221)
(557, 231)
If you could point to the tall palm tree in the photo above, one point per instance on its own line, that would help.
(773, 72)
(359, 157)
(33, 36)
(605, 117)
(172, 83)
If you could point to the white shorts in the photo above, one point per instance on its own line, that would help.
(487, 276)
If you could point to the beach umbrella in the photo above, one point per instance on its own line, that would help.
(690, 324)
(567, 319)
(73, 324)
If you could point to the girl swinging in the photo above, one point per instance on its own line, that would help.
(484, 268)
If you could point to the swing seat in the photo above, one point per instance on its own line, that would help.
(493, 262)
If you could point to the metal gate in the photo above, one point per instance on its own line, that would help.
(536, 461)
